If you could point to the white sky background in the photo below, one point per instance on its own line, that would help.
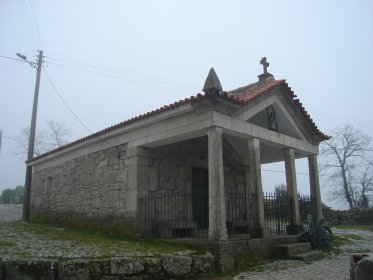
(324, 49)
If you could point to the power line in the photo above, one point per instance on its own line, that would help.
(28, 26)
(122, 78)
(281, 171)
(69, 108)
(64, 102)
(9, 137)
(109, 68)
(36, 23)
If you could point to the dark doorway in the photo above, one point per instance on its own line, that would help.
(200, 197)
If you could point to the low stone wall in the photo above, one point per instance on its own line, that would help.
(232, 253)
(181, 265)
(352, 216)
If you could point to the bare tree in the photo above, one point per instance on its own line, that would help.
(55, 135)
(343, 160)
(365, 185)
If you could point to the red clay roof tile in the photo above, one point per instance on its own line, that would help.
(243, 95)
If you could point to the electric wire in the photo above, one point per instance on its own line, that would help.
(8, 57)
(122, 78)
(107, 69)
(281, 171)
(27, 23)
(63, 100)
(75, 115)
(101, 66)
(9, 137)
(36, 22)
(330, 120)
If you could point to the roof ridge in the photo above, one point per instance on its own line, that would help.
(259, 91)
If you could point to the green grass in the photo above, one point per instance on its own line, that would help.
(339, 240)
(357, 227)
(6, 244)
(86, 237)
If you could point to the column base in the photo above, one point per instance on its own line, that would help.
(294, 229)
(262, 232)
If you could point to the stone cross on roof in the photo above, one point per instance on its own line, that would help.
(265, 64)
(212, 83)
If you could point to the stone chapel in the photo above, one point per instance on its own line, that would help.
(189, 169)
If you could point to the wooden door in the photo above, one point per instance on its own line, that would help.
(200, 197)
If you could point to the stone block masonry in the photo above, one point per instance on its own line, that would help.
(170, 266)
(89, 189)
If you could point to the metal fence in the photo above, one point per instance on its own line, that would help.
(177, 215)
(277, 215)
(185, 215)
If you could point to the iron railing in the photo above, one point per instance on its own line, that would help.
(238, 214)
(176, 215)
(277, 215)
(185, 215)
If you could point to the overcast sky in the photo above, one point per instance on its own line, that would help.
(112, 60)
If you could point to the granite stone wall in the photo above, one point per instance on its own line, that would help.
(96, 188)
(168, 169)
(88, 188)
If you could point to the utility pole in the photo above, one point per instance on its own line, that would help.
(31, 144)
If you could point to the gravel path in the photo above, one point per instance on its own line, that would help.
(333, 267)
(10, 212)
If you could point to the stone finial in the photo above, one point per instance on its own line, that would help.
(265, 64)
(265, 75)
(212, 83)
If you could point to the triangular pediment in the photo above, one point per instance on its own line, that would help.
(275, 112)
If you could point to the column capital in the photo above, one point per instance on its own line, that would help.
(214, 128)
(254, 143)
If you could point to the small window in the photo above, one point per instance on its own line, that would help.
(49, 185)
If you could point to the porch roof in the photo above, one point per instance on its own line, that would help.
(240, 96)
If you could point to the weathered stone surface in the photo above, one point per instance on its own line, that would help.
(225, 262)
(99, 268)
(73, 270)
(203, 263)
(363, 270)
(177, 266)
(126, 267)
(217, 216)
(26, 270)
(212, 82)
(152, 265)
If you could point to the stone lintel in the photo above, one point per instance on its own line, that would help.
(243, 129)
(217, 217)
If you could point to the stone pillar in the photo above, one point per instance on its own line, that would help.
(132, 188)
(291, 182)
(217, 219)
(255, 182)
(315, 189)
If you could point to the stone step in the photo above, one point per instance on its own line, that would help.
(308, 256)
(288, 250)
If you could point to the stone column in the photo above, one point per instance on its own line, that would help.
(315, 189)
(291, 183)
(132, 188)
(217, 219)
(255, 182)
